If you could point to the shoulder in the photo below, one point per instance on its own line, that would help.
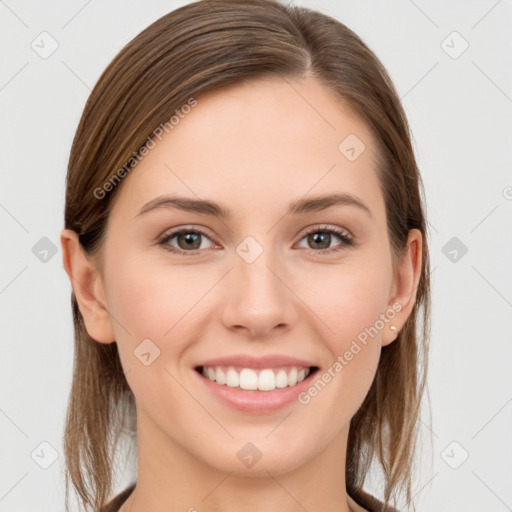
(115, 504)
(367, 503)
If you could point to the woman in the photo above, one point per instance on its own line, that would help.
(246, 242)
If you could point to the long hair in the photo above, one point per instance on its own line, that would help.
(203, 46)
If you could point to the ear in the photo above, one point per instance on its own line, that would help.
(87, 286)
(405, 285)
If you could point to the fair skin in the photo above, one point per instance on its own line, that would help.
(253, 148)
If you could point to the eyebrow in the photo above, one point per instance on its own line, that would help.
(300, 206)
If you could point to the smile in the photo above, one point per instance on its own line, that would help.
(261, 379)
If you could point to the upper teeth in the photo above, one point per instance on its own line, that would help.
(248, 378)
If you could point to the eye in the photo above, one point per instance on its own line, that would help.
(320, 237)
(189, 240)
(186, 239)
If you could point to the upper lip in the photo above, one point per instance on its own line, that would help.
(247, 361)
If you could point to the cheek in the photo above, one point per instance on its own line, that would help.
(351, 309)
(153, 302)
(155, 307)
(150, 298)
(349, 300)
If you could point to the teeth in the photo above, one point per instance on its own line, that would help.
(281, 379)
(232, 378)
(220, 376)
(248, 378)
(266, 380)
(292, 377)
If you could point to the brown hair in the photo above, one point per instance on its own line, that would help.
(200, 47)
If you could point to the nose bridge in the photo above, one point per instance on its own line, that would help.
(255, 272)
(258, 298)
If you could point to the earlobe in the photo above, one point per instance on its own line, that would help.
(407, 281)
(87, 287)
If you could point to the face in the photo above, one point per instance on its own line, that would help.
(283, 288)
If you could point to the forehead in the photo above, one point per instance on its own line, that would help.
(259, 143)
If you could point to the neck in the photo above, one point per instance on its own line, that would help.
(171, 478)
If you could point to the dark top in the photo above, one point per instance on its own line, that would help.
(365, 500)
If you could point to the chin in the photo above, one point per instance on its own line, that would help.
(258, 458)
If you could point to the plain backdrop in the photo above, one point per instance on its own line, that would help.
(451, 63)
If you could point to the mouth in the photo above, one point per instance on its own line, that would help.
(256, 379)
(257, 385)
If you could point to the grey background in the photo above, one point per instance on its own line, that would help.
(460, 111)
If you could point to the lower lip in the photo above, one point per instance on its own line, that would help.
(256, 401)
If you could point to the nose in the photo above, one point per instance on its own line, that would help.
(259, 301)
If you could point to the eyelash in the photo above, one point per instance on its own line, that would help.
(347, 241)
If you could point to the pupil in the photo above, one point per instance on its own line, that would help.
(190, 239)
(315, 237)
